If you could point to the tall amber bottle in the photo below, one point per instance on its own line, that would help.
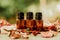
(20, 21)
(39, 21)
(29, 20)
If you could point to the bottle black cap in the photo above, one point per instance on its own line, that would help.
(29, 15)
(38, 16)
(20, 15)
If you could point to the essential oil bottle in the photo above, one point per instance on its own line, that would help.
(20, 21)
(39, 21)
(29, 20)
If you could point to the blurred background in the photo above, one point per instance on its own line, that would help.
(49, 8)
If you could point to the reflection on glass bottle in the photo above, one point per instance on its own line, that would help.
(39, 21)
(29, 20)
(20, 21)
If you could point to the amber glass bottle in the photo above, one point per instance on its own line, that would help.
(29, 20)
(20, 21)
(39, 21)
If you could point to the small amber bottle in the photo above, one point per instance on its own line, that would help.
(29, 20)
(20, 21)
(39, 21)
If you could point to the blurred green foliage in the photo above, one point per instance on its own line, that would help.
(9, 8)
(48, 1)
(23, 4)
